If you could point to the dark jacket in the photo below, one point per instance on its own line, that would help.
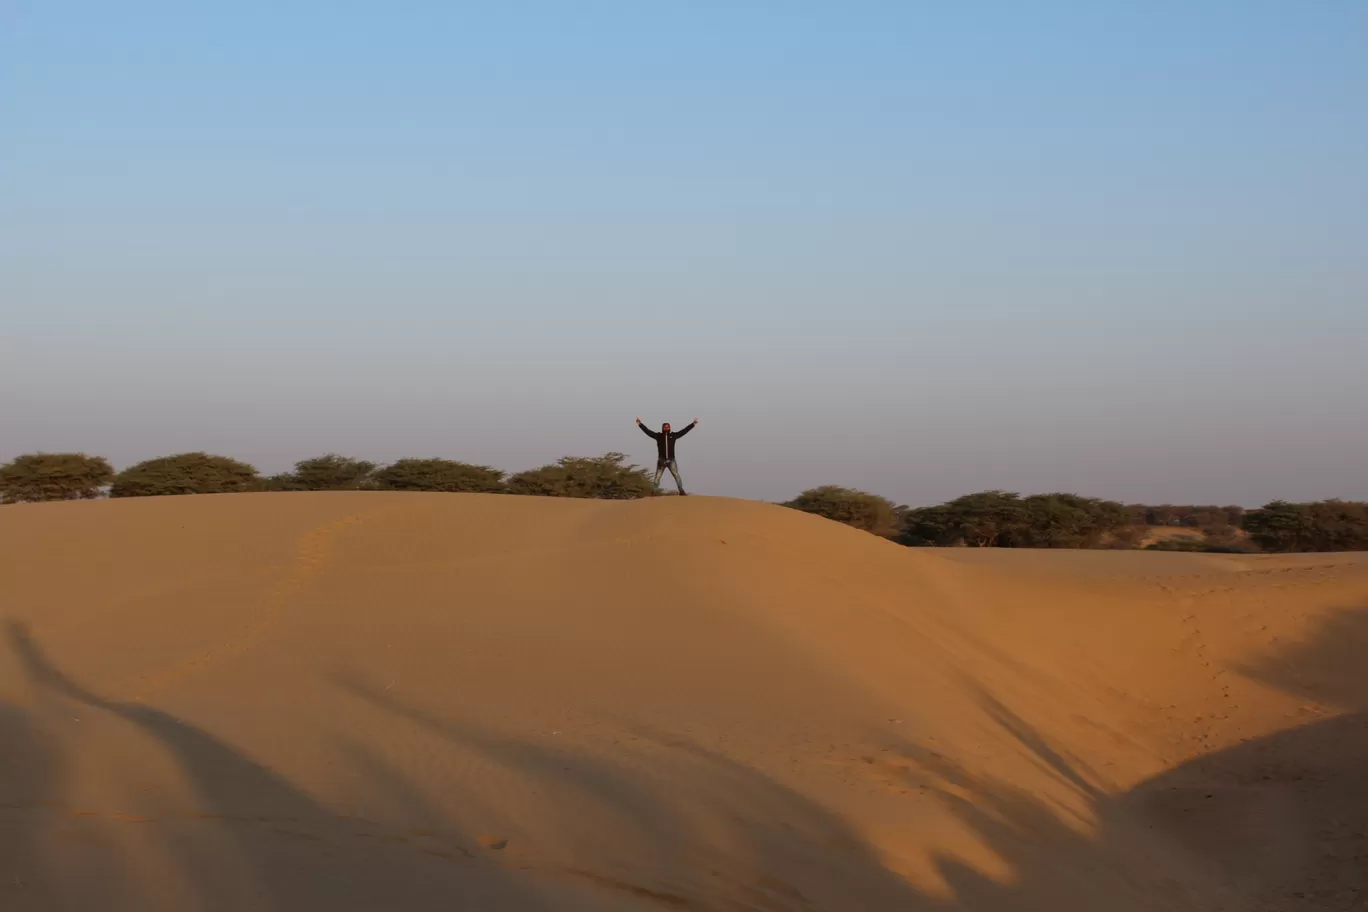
(665, 450)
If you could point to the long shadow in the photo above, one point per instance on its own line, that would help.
(237, 845)
(251, 840)
(1280, 822)
(231, 790)
(31, 774)
(1056, 859)
(1052, 861)
(1284, 818)
(783, 851)
(1277, 823)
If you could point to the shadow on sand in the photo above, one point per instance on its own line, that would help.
(1276, 823)
(248, 838)
(1284, 818)
(782, 850)
(251, 840)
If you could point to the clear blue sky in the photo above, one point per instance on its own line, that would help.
(919, 248)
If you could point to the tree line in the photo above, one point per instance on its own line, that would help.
(77, 476)
(1003, 519)
(988, 519)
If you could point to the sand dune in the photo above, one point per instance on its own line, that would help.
(375, 701)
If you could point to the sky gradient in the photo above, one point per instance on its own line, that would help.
(922, 249)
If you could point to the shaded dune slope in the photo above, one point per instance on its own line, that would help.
(388, 701)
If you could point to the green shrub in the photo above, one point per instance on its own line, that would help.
(54, 476)
(988, 519)
(606, 477)
(869, 512)
(1325, 525)
(1002, 519)
(185, 473)
(438, 475)
(324, 473)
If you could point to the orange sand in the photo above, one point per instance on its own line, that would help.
(368, 701)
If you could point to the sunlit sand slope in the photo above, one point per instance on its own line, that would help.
(366, 701)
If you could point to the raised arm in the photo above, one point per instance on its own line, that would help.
(687, 428)
(647, 431)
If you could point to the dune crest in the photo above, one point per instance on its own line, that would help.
(410, 701)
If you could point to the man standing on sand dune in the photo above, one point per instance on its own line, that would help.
(665, 450)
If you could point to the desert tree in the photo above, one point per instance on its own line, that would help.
(185, 473)
(1062, 520)
(324, 473)
(606, 477)
(54, 476)
(1324, 525)
(988, 519)
(444, 475)
(1003, 519)
(860, 509)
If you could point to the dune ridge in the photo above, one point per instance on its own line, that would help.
(414, 701)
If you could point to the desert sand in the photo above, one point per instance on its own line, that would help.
(367, 701)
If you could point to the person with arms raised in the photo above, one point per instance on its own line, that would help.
(665, 450)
